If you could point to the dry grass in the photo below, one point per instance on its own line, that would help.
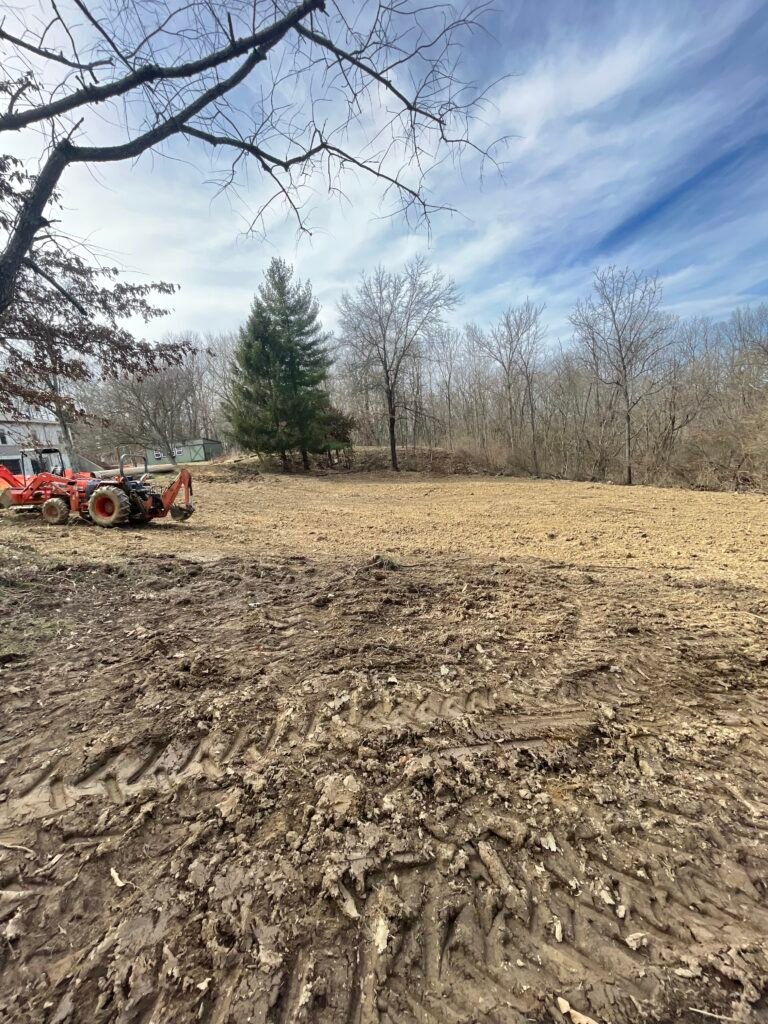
(418, 517)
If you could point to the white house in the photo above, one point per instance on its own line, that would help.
(36, 429)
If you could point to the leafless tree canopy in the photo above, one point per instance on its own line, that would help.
(385, 323)
(162, 409)
(623, 334)
(292, 87)
(514, 345)
(634, 394)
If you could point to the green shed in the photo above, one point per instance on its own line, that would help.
(201, 449)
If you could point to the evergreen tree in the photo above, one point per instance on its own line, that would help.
(335, 430)
(278, 401)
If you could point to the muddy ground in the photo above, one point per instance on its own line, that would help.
(441, 751)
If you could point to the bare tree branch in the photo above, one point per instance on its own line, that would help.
(305, 109)
(151, 73)
(55, 284)
(41, 51)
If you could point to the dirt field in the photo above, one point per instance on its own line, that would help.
(371, 750)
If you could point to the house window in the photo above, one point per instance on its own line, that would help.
(3, 437)
(159, 456)
(177, 451)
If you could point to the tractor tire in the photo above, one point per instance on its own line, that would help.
(109, 506)
(55, 511)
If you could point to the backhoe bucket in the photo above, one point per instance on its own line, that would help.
(180, 513)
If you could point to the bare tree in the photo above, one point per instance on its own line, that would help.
(155, 72)
(215, 352)
(747, 330)
(624, 333)
(161, 409)
(385, 320)
(476, 389)
(445, 348)
(514, 344)
(526, 323)
(684, 396)
(135, 412)
(700, 412)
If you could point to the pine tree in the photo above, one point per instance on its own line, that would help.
(280, 366)
(335, 434)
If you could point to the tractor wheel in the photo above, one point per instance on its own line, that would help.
(109, 506)
(55, 511)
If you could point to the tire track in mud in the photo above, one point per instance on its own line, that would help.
(521, 926)
(122, 773)
(603, 934)
(436, 819)
(119, 773)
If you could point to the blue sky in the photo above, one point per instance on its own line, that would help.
(639, 137)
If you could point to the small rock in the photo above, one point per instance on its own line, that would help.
(381, 934)
(547, 842)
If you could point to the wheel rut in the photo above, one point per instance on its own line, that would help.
(433, 794)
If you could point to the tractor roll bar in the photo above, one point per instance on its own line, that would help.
(29, 452)
(133, 457)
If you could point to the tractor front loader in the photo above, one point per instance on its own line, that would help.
(105, 502)
(36, 490)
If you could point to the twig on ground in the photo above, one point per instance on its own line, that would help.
(713, 1016)
(13, 846)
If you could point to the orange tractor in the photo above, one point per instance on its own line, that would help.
(107, 502)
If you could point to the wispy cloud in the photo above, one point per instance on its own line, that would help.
(639, 136)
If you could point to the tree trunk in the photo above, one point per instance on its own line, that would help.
(168, 445)
(392, 410)
(450, 418)
(66, 434)
(628, 447)
(511, 415)
(305, 458)
(31, 219)
(532, 412)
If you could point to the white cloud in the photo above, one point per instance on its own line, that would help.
(606, 116)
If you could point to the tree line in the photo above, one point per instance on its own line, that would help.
(636, 394)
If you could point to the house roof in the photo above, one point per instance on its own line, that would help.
(28, 415)
(25, 421)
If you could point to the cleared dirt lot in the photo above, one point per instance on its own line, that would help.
(375, 750)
